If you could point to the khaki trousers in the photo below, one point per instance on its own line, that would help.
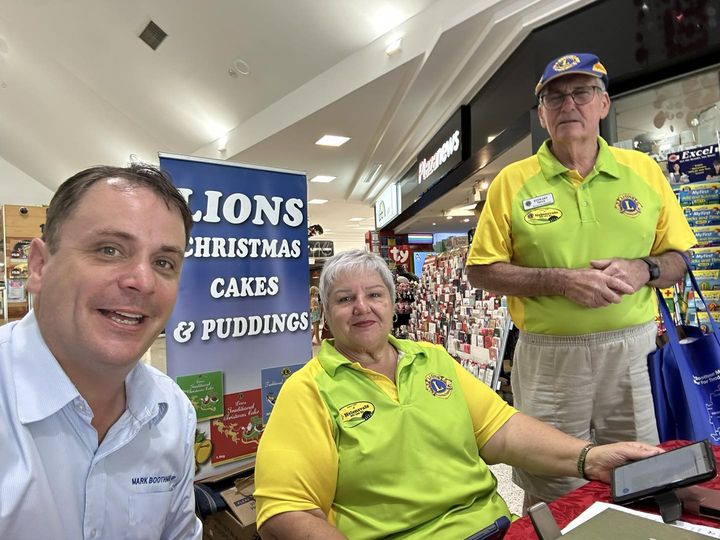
(594, 387)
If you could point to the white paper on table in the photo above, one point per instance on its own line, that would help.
(598, 507)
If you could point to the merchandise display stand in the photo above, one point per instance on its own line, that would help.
(472, 324)
(20, 225)
(701, 205)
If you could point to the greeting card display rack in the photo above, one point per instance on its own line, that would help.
(470, 323)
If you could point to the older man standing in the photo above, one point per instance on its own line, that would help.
(94, 443)
(577, 235)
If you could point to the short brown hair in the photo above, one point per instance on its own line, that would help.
(71, 192)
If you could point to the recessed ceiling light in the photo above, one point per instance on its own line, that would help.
(434, 223)
(393, 46)
(317, 201)
(332, 140)
(322, 179)
(356, 219)
(449, 217)
(222, 143)
(491, 138)
(466, 220)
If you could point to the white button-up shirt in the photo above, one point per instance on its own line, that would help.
(56, 482)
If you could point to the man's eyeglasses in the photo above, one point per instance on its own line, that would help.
(582, 95)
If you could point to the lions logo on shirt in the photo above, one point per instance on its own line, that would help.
(438, 385)
(628, 205)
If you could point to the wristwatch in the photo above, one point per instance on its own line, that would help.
(653, 268)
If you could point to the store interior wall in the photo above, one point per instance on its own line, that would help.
(16, 187)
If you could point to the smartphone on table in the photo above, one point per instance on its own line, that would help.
(684, 466)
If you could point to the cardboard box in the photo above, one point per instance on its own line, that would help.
(237, 523)
(240, 500)
(224, 526)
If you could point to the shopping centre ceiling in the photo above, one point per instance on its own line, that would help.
(250, 81)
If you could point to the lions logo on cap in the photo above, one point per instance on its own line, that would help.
(438, 385)
(565, 62)
(628, 205)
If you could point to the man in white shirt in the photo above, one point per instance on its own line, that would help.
(95, 444)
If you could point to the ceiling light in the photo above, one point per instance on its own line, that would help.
(466, 210)
(434, 223)
(448, 217)
(222, 144)
(491, 138)
(356, 219)
(466, 220)
(394, 46)
(484, 184)
(321, 179)
(317, 201)
(332, 140)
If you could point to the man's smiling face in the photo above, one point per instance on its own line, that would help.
(107, 290)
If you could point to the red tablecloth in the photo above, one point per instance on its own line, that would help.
(567, 508)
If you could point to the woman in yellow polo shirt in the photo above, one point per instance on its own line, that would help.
(379, 437)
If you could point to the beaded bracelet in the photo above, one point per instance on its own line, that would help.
(581, 460)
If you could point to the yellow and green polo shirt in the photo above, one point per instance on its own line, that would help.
(539, 214)
(382, 458)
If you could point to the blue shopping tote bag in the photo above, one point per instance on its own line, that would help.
(685, 379)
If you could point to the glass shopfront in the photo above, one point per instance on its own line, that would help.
(677, 123)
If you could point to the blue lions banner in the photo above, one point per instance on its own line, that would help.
(243, 300)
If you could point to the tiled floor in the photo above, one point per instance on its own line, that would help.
(512, 494)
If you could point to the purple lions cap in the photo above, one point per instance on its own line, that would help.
(570, 64)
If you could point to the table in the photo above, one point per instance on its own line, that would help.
(570, 506)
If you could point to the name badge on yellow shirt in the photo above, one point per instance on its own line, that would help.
(537, 202)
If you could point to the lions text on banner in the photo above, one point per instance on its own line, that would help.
(243, 304)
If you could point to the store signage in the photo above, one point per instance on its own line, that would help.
(419, 258)
(443, 153)
(320, 248)
(694, 164)
(400, 254)
(387, 207)
(243, 296)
